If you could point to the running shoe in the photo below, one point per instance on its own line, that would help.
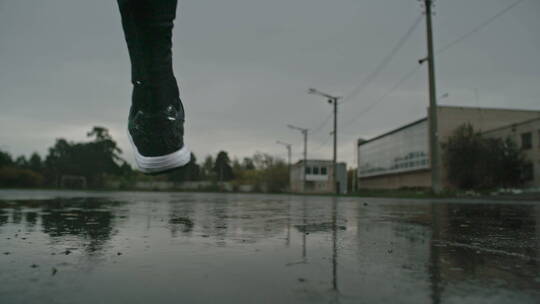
(156, 128)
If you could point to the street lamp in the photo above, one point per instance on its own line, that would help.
(332, 100)
(288, 146)
(305, 134)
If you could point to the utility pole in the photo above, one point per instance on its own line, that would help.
(332, 100)
(305, 134)
(433, 133)
(334, 160)
(288, 146)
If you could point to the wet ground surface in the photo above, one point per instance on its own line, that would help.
(106, 247)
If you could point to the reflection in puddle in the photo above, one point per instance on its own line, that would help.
(162, 247)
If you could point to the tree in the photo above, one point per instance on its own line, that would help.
(21, 162)
(16, 177)
(207, 169)
(247, 163)
(100, 133)
(265, 172)
(263, 161)
(18, 173)
(92, 159)
(35, 163)
(475, 162)
(104, 143)
(276, 176)
(59, 160)
(222, 167)
(236, 167)
(5, 159)
(507, 162)
(189, 172)
(462, 153)
(351, 175)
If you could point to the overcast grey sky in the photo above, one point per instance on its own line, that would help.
(244, 67)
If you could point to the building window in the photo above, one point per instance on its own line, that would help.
(323, 171)
(315, 170)
(308, 170)
(526, 140)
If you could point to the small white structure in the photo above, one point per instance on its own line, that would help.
(318, 177)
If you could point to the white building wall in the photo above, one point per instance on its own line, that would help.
(401, 151)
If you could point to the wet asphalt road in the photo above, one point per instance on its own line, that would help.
(134, 247)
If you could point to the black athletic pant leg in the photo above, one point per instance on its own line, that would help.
(148, 26)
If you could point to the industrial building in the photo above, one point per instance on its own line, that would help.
(400, 158)
(318, 177)
(526, 135)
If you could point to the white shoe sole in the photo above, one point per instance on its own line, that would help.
(155, 164)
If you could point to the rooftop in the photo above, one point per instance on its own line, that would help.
(318, 161)
(363, 141)
(512, 125)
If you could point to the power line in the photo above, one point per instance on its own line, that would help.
(478, 28)
(386, 60)
(382, 98)
(324, 143)
(319, 127)
(443, 49)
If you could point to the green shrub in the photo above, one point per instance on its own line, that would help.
(11, 177)
(476, 162)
